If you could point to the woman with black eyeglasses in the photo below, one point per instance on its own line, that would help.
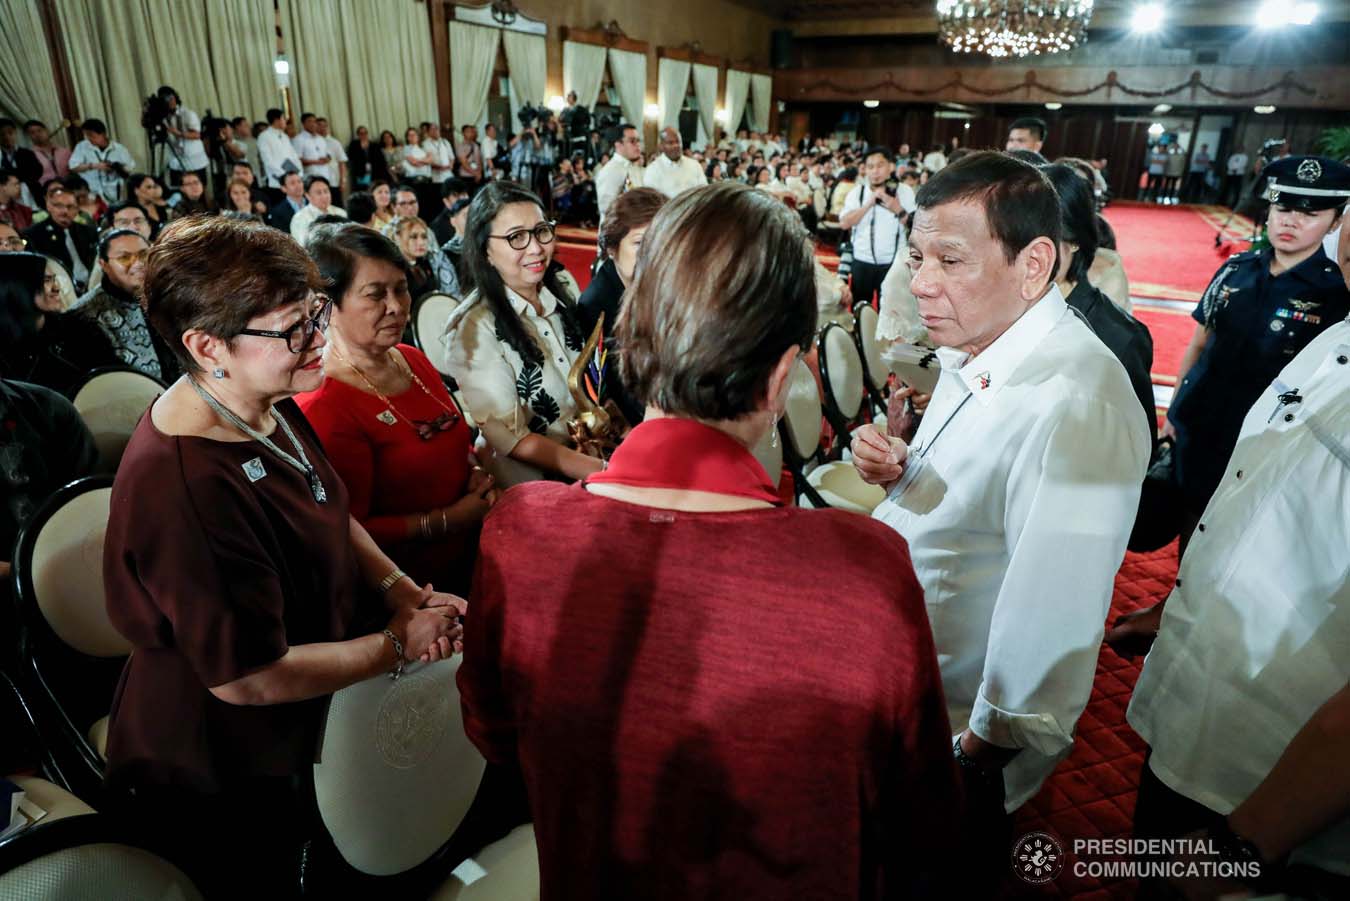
(387, 423)
(234, 568)
(514, 338)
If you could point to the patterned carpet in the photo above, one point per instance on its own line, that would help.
(1091, 794)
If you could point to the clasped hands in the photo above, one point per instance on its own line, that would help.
(428, 620)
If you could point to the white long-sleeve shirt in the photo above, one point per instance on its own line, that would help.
(1254, 635)
(274, 151)
(615, 177)
(671, 178)
(1017, 500)
(312, 146)
(106, 184)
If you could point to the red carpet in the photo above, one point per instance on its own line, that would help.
(1092, 793)
(1169, 251)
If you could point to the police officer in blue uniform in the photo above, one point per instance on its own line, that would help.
(1261, 308)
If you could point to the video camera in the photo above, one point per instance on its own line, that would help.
(154, 111)
(529, 115)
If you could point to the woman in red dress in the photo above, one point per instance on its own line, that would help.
(386, 419)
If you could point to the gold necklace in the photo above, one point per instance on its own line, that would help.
(426, 430)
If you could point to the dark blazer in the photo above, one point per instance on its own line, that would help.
(26, 163)
(1127, 338)
(280, 216)
(48, 239)
(367, 161)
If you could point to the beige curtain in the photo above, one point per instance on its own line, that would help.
(527, 60)
(27, 87)
(357, 62)
(122, 50)
(473, 56)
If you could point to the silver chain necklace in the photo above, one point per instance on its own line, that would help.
(302, 464)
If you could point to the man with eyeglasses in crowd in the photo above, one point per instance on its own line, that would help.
(62, 237)
(128, 215)
(13, 212)
(10, 239)
(405, 201)
(115, 309)
(624, 170)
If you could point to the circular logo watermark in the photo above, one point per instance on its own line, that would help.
(1037, 858)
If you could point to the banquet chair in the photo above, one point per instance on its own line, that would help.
(111, 400)
(71, 653)
(430, 313)
(842, 378)
(769, 453)
(506, 870)
(875, 370)
(76, 858)
(393, 782)
(800, 430)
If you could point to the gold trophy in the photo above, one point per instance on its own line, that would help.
(599, 425)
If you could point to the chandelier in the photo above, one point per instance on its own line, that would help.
(1007, 28)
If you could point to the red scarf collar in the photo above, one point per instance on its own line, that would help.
(687, 455)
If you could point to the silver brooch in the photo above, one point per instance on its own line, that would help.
(1309, 171)
(254, 469)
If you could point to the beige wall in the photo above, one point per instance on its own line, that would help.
(722, 28)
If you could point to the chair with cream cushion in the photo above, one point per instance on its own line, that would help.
(875, 370)
(429, 315)
(394, 780)
(75, 858)
(841, 374)
(506, 870)
(839, 485)
(799, 430)
(73, 655)
(111, 401)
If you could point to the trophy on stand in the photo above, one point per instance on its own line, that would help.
(599, 425)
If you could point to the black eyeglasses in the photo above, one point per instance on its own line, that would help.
(520, 239)
(300, 336)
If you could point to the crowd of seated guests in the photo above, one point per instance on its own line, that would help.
(626, 654)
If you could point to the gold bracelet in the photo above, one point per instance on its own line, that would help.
(390, 580)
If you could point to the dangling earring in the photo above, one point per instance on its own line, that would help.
(218, 372)
(773, 431)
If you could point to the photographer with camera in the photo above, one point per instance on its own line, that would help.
(101, 161)
(469, 157)
(175, 126)
(576, 123)
(875, 215)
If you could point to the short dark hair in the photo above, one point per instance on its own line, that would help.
(712, 309)
(165, 92)
(116, 208)
(1019, 202)
(1028, 156)
(630, 210)
(454, 185)
(1078, 216)
(95, 125)
(361, 206)
(105, 240)
(6, 120)
(614, 134)
(336, 250)
(194, 280)
(286, 176)
(404, 189)
(304, 116)
(237, 119)
(878, 149)
(1032, 124)
(7, 174)
(274, 114)
(20, 282)
(31, 122)
(237, 163)
(310, 180)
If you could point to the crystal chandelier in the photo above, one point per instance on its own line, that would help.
(1006, 28)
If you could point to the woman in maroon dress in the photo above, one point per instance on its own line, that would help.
(233, 567)
(710, 694)
(386, 419)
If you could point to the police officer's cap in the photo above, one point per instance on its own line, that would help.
(1307, 183)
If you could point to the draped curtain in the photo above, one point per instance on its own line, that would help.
(738, 88)
(122, 50)
(705, 91)
(27, 87)
(629, 73)
(583, 71)
(358, 63)
(473, 55)
(672, 86)
(527, 59)
(761, 89)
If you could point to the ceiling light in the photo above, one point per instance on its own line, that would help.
(1146, 18)
(871, 104)
(1012, 28)
(1053, 105)
(1156, 129)
(1264, 109)
(1162, 109)
(1303, 13)
(1276, 13)
(966, 125)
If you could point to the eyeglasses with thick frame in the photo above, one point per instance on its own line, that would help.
(300, 336)
(519, 239)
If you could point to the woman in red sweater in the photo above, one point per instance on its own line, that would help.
(711, 695)
(385, 418)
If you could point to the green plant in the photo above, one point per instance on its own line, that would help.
(1335, 142)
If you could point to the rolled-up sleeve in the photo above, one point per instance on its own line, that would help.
(487, 381)
(1071, 503)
